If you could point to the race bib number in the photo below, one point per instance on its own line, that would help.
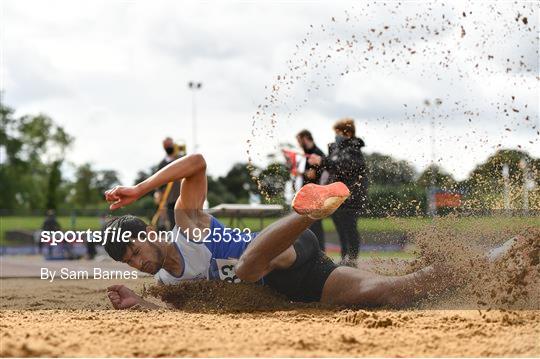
(225, 270)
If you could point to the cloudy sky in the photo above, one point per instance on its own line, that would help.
(115, 74)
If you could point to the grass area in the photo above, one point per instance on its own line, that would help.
(413, 223)
(364, 224)
(32, 223)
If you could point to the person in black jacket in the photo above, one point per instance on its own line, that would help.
(312, 174)
(345, 163)
(49, 224)
(169, 147)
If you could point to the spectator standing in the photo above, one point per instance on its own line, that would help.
(345, 163)
(312, 174)
(50, 224)
(172, 153)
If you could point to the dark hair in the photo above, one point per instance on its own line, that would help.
(346, 125)
(305, 134)
(117, 249)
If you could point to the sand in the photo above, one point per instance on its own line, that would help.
(74, 318)
(283, 333)
(496, 312)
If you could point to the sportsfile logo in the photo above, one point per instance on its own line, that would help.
(196, 235)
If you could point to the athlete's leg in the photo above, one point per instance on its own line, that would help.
(275, 240)
(317, 229)
(353, 286)
(271, 249)
(353, 237)
(337, 218)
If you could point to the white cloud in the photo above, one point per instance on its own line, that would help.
(115, 75)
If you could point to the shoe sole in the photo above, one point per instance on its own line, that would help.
(318, 201)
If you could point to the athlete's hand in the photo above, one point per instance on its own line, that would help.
(122, 297)
(121, 196)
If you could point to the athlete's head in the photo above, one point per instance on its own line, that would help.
(305, 140)
(144, 255)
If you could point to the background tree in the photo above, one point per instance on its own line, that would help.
(272, 181)
(104, 180)
(218, 192)
(34, 148)
(11, 165)
(238, 182)
(488, 175)
(435, 175)
(385, 170)
(142, 175)
(82, 186)
(55, 180)
(486, 185)
(392, 189)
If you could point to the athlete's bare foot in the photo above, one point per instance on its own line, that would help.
(499, 252)
(317, 201)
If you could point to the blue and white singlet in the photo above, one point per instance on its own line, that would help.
(213, 258)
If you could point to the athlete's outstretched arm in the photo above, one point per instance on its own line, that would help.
(191, 169)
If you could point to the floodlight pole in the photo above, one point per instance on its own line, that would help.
(433, 181)
(506, 193)
(432, 204)
(194, 86)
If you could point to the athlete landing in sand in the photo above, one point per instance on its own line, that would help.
(284, 256)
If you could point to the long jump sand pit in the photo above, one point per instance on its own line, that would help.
(53, 328)
(495, 314)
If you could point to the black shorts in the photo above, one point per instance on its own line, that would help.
(305, 279)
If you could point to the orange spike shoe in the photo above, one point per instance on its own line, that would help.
(317, 201)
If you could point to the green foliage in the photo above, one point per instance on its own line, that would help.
(105, 179)
(238, 182)
(90, 185)
(272, 181)
(385, 170)
(237, 185)
(55, 180)
(435, 175)
(34, 150)
(486, 184)
(142, 175)
(392, 189)
(396, 201)
(488, 176)
(34, 146)
(218, 193)
(31, 173)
